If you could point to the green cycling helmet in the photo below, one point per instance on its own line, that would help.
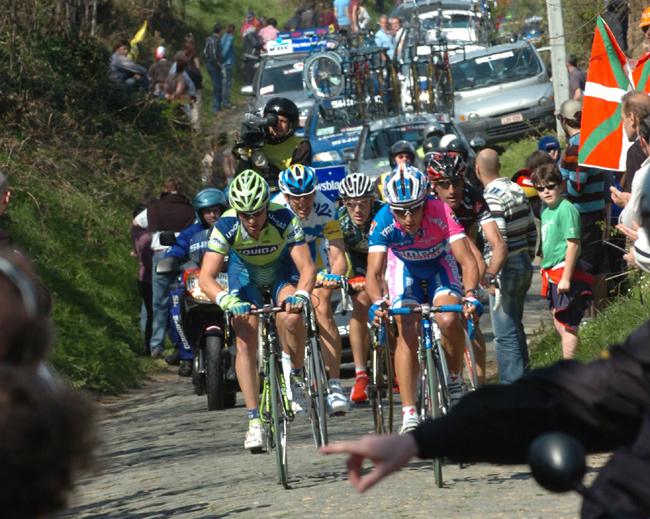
(249, 192)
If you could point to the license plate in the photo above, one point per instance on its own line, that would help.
(512, 119)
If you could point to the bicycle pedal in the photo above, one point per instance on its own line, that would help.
(339, 413)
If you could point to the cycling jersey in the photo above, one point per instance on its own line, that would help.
(472, 209)
(356, 238)
(265, 259)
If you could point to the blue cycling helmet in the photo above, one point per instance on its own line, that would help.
(298, 180)
(405, 186)
(207, 198)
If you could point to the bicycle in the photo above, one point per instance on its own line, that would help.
(380, 389)
(433, 394)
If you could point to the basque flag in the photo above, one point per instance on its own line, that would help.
(603, 143)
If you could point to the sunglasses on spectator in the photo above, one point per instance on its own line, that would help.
(353, 204)
(454, 181)
(550, 187)
(248, 216)
(405, 211)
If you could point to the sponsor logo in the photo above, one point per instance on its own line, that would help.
(419, 255)
(232, 231)
(387, 230)
(259, 251)
(329, 185)
(296, 232)
(323, 210)
(281, 225)
(217, 242)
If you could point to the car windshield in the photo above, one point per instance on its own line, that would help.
(277, 79)
(332, 121)
(380, 141)
(450, 20)
(492, 69)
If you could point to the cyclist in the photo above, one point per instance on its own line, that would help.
(260, 237)
(319, 220)
(446, 170)
(402, 152)
(421, 240)
(356, 215)
(209, 205)
(281, 148)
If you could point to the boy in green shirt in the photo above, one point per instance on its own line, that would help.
(566, 286)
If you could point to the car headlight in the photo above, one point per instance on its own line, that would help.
(327, 156)
(473, 117)
(424, 96)
(544, 101)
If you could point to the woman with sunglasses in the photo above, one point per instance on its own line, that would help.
(419, 239)
(446, 171)
(358, 209)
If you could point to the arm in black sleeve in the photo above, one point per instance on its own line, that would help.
(302, 154)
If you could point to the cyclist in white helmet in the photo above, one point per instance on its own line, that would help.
(358, 209)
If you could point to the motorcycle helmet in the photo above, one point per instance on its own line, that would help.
(249, 192)
(434, 130)
(209, 197)
(298, 180)
(459, 146)
(286, 108)
(431, 144)
(401, 147)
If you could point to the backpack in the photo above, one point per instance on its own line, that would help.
(295, 22)
(212, 49)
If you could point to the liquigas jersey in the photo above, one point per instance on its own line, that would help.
(265, 257)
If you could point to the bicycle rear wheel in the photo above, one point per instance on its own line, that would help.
(381, 390)
(323, 74)
(470, 363)
(317, 384)
(279, 423)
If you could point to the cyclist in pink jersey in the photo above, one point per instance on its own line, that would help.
(420, 239)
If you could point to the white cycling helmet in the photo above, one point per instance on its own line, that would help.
(405, 186)
(356, 185)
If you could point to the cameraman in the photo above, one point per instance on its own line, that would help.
(281, 148)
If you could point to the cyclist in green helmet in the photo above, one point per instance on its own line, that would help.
(262, 239)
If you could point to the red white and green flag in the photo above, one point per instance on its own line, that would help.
(603, 143)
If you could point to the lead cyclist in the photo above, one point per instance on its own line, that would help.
(420, 239)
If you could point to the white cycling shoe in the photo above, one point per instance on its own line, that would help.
(337, 401)
(299, 398)
(256, 438)
(409, 424)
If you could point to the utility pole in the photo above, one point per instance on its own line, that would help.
(558, 55)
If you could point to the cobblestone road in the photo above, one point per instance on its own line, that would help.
(166, 456)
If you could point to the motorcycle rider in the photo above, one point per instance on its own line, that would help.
(433, 131)
(281, 148)
(402, 152)
(209, 205)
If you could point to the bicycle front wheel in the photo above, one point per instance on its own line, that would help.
(470, 362)
(279, 422)
(317, 382)
(433, 405)
(323, 75)
(381, 391)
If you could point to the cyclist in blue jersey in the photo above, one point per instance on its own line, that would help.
(209, 205)
(416, 238)
(319, 220)
(267, 251)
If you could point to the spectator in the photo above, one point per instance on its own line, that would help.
(173, 212)
(310, 17)
(632, 211)
(550, 145)
(217, 169)
(564, 283)
(295, 22)
(194, 71)
(362, 16)
(5, 195)
(159, 71)
(585, 190)
(635, 106)
(384, 38)
(327, 15)
(179, 86)
(251, 52)
(141, 239)
(249, 22)
(577, 78)
(213, 53)
(354, 24)
(269, 32)
(342, 13)
(123, 70)
(645, 23)
(399, 36)
(509, 207)
(616, 15)
(228, 62)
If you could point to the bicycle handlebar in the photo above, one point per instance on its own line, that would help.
(267, 310)
(432, 309)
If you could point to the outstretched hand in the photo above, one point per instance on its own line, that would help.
(389, 453)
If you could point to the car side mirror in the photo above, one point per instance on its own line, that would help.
(170, 265)
(168, 238)
(247, 90)
(477, 143)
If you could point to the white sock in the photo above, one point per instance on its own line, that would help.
(360, 370)
(455, 378)
(334, 382)
(409, 412)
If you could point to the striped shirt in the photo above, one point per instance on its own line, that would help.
(510, 209)
(584, 185)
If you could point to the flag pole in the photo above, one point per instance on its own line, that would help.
(558, 56)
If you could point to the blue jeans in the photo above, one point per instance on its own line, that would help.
(509, 336)
(227, 85)
(216, 75)
(160, 287)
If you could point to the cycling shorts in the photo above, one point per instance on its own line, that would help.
(357, 264)
(406, 290)
(241, 285)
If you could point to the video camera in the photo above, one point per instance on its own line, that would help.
(253, 129)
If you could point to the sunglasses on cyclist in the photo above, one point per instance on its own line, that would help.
(248, 216)
(405, 211)
(550, 187)
(354, 204)
(454, 181)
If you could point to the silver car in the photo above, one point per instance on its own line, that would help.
(502, 92)
(280, 76)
